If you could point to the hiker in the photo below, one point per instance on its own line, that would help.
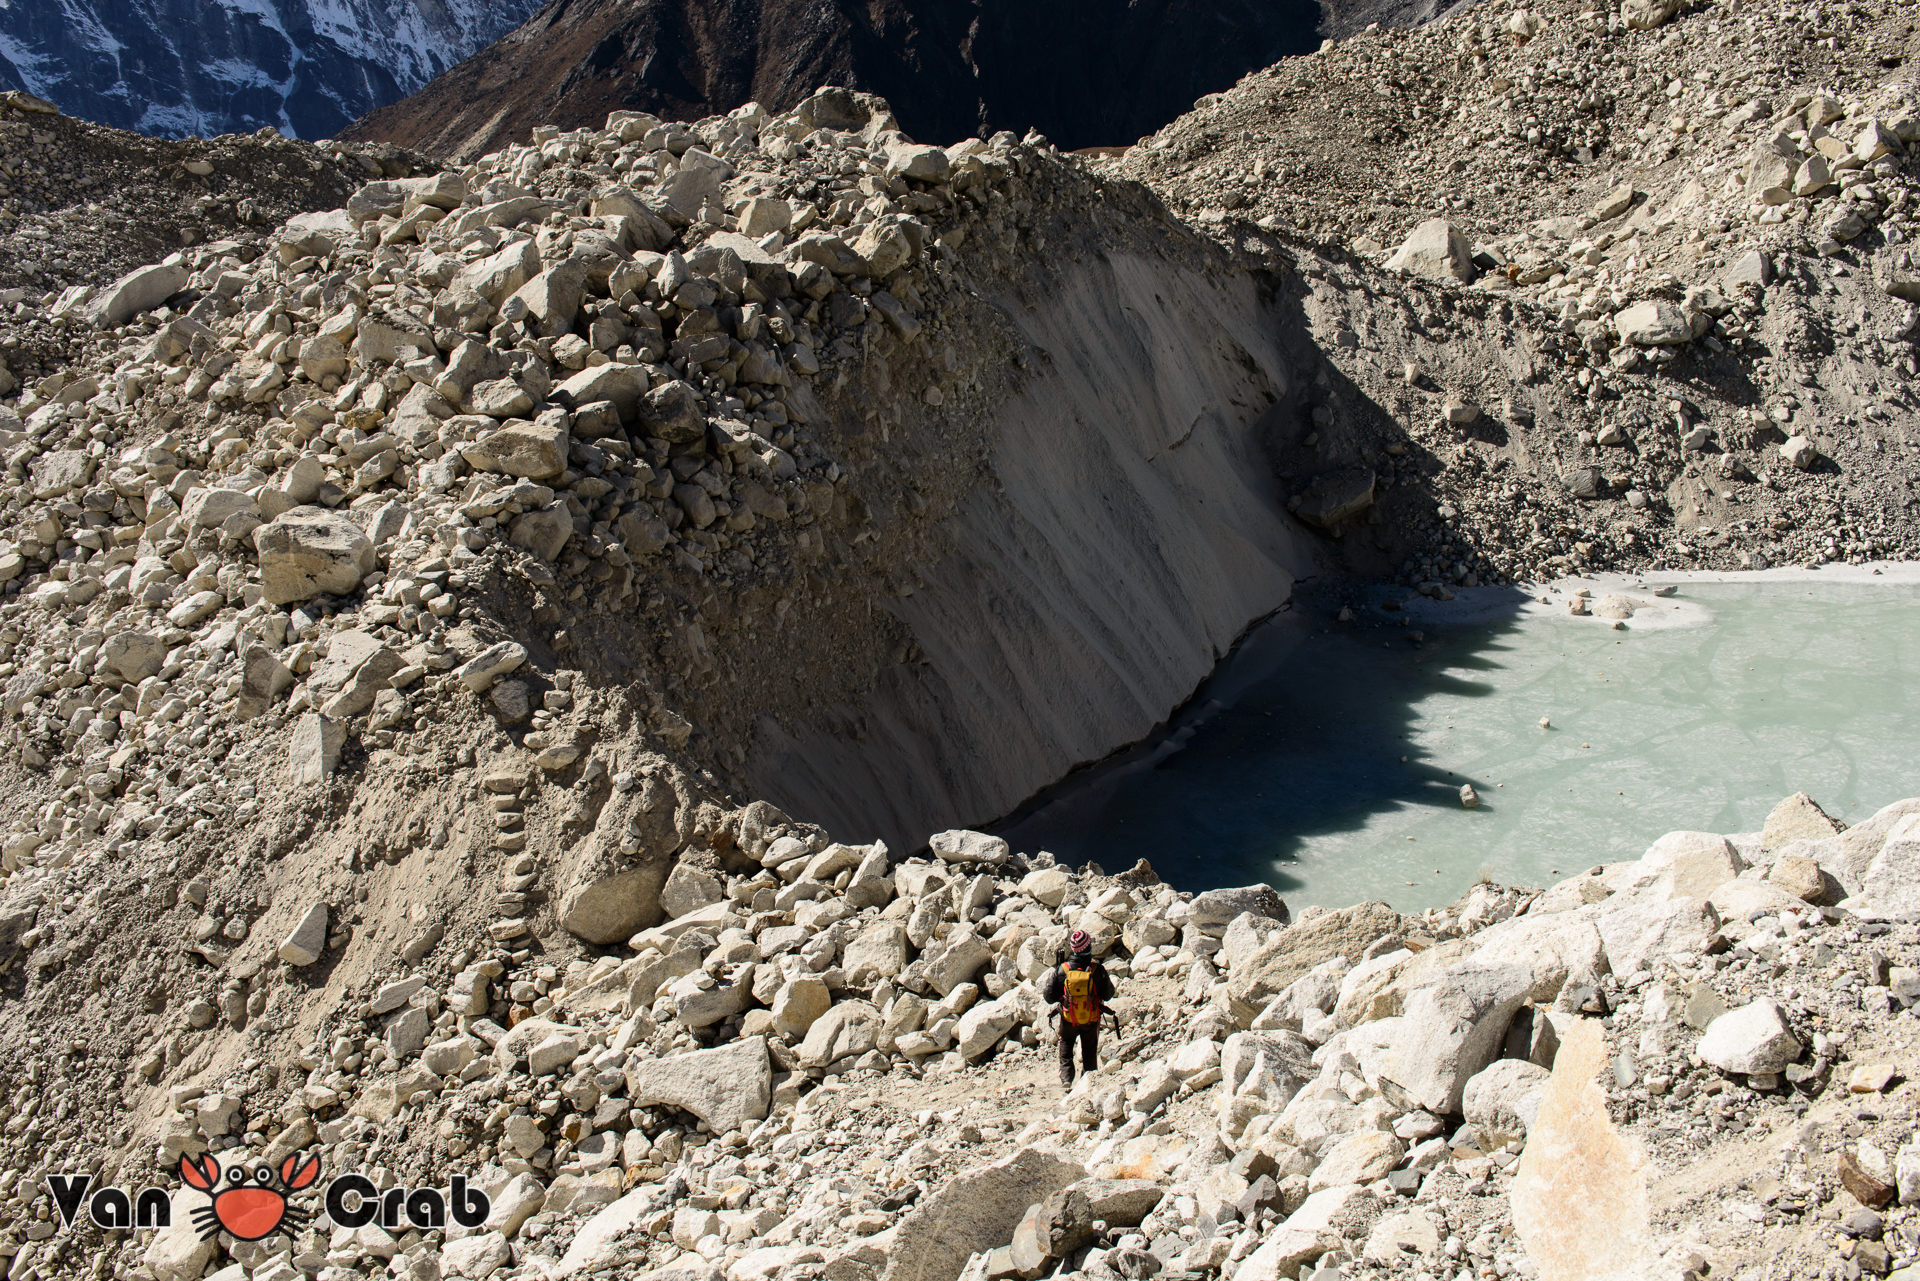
(1079, 989)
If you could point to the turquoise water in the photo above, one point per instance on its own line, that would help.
(1702, 713)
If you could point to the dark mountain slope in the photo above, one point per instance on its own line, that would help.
(1083, 72)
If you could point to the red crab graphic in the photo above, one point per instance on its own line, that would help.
(249, 1206)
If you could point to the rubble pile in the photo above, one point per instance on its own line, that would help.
(397, 602)
(1660, 260)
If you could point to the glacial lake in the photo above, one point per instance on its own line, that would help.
(1701, 713)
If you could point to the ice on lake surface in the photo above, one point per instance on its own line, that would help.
(1701, 714)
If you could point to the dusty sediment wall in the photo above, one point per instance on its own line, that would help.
(1133, 528)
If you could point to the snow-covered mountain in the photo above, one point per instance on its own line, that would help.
(177, 67)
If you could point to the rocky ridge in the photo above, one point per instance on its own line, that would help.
(1669, 254)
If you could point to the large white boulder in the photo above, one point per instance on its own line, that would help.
(1753, 1039)
(1452, 1028)
(1437, 250)
(1501, 1101)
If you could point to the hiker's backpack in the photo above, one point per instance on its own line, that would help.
(1080, 1002)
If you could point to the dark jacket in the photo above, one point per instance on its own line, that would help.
(1056, 989)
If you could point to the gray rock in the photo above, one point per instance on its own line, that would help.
(543, 531)
(310, 550)
(1437, 250)
(1453, 1026)
(1752, 1039)
(1287, 955)
(134, 656)
(849, 1028)
(1245, 935)
(481, 672)
(1502, 1099)
(725, 1087)
(976, 1211)
(1750, 268)
(313, 749)
(263, 678)
(960, 846)
(309, 938)
(1653, 324)
(1214, 910)
(407, 1032)
(1797, 818)
(1335, 496)
(1639, 932)
(688, 888)
(982, 1026)
(141, 289)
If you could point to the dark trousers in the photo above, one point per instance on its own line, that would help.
(1088, 1035)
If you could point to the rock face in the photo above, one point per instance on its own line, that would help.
(316, 67)
(1084, 77)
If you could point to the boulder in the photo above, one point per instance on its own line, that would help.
(878, 952)
(133, 656)
(534, 450)
(1282, 1253)
(1797, 818)
(1437, 250)
(1645, 15)
(1212, 911)
(544, 531)
(141, 289)
(313, 748)
(725, 1087)
(480, 672)
(1753, 1039)
(308, 939)
(309, 550)
(211, 508)
(1409, 1234)
(1335, 496)
(973, 1213)
(1801, 452)
(1559, 948)
(1452, 1028)
(961, 846)
(1691, 864)
(689, 888)
(1292, 952)
(1359, 1158)
(514, 1204)
(554, 296)
(1285, 1056)
(1121, 1203)
(674, 412)
(1848, 856)
(1802, 877)
(982, 1026)
(1640, 931)
(1891, 886)
(849, 1028)
(1502, 1100)
(1653, 324)
(177, 1252)
(799, 1004)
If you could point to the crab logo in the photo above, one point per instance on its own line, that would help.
(249, 1205)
